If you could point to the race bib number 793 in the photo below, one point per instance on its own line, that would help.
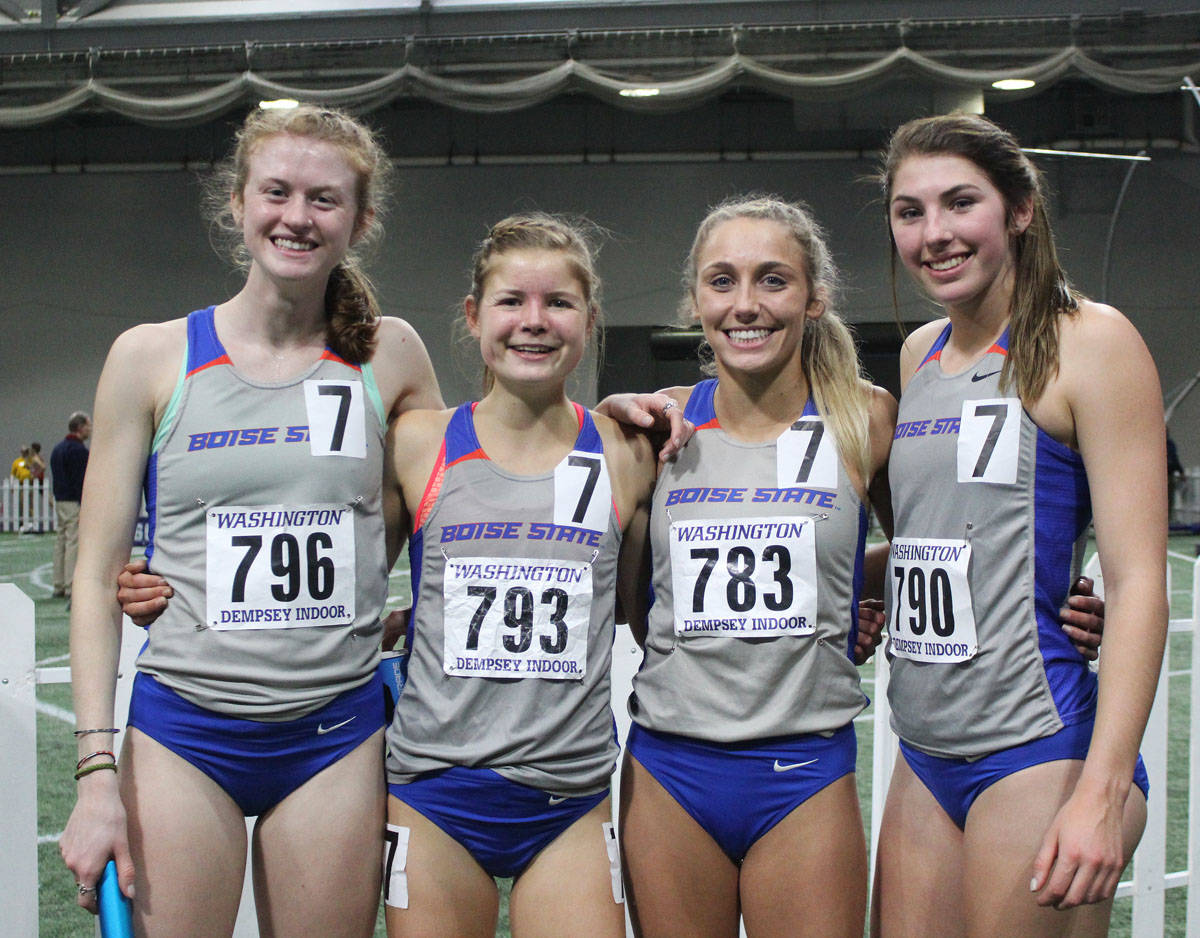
(516, 618)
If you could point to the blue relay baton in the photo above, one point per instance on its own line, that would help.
(116, 911)
(393, 668)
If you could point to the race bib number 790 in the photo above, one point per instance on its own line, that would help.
(931, 614)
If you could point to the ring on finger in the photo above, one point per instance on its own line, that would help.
(667, 406)
(84, 890)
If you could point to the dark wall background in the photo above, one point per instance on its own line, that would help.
(86, 255)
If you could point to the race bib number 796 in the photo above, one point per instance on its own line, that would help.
(280, 566)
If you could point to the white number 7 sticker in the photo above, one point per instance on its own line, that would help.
(806, 456)
(582, 491)
(989, 441)
(335, 418)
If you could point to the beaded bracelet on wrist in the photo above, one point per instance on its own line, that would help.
(88, 770)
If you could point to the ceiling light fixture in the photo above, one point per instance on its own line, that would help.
(1013, 84)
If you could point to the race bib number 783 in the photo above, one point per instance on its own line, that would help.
(744, 577)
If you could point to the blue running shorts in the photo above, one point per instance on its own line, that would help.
(258, 764)
(738, 791)
(956, 783)
(502, 824)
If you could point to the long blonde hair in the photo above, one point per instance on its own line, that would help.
(1041, 290)
(351, 308)
(541, 231)
(827, 352)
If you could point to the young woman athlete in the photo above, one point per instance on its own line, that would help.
(746, 879)
(258, 425)
(526, 512)
(1027, 412)
(738, 790)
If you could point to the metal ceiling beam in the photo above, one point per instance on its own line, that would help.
(13, 9)
(72, 52)
(88, 7)
(127, 25)
(348, 48)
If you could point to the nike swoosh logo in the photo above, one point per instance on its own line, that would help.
(322, 730)
(780, 767)
(556, 799)
(988, 375)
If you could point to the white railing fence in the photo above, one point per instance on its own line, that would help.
(19, 678)
(26, 507)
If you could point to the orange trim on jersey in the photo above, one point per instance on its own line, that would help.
(331, 356)
(432, 488)
(474, 454)
(223, 360)
(931, 357)
(578, 414)
(996, 347)
(713, 424)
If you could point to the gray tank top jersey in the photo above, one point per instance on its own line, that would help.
(265, 516)
(514, 581)
(757, 564)
(990, 515)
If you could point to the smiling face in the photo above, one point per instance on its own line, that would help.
(752, 295)
(532, 318)
(954, 232)
(298, 210)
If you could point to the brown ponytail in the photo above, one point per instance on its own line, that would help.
(352, 312)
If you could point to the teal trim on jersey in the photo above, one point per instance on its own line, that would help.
(368, 376)
(168, 418)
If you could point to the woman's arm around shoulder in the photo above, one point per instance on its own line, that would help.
(1109, 387)
(410, 439)
(660, 413)
(403, 370)
(881, 418)
(414, 442)
(881, 428)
